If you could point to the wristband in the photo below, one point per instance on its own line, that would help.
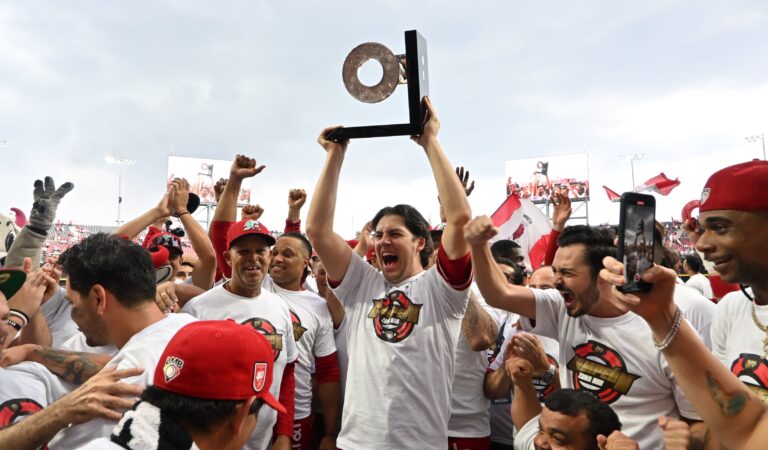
(21, 315)
(15, 325)
(178, 214)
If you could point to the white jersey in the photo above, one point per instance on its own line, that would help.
(143, 349)
(614, 359)
(269, 315)
(401, 342)
(697, 310)
(738, 343)
(526, 434)
(501, 418)
(313, 332)
(58, 314)
(700, 283)
(25, 389)
(470, 408)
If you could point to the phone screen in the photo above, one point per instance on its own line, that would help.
(638, 224)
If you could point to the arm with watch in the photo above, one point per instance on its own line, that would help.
(527, 360)
(525, 346)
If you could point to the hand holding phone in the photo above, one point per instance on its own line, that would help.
(636, 223)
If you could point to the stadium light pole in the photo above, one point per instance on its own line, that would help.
(632, 158)
(755, 138)
(119, 162)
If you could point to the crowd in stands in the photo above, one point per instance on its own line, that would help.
(409, 337)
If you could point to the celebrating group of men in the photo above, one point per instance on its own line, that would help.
(410, 337)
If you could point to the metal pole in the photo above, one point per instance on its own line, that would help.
(632, 164)
(119, 192)
(762, 137)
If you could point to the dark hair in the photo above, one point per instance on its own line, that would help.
(307, 246)
(198, 414)
(519, 269)
(571, 402)
(415, 223)
(124, 268)
(505, 248)
(695, 263)
(598, 244)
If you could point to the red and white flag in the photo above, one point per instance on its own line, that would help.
(660, 184)
(612, 195)
(519, 220)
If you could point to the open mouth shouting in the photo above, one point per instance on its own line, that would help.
(389, 261)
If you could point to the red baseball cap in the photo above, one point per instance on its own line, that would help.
(246, 227)
(742, 187)
(218, 360)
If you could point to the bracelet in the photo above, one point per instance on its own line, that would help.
(178, 214)
(21, 315)
(678, 319)
(15, 325)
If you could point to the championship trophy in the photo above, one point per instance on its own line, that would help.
(410, 69)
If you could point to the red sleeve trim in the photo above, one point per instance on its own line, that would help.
(284, 424)
(457, 272)
(218, 233)
(549, 258)
(292, 227)
(333, 284)
(327, 369)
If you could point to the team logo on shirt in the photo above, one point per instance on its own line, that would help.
(298, 330)
(753, 371)
(394, 316)
(269, 331)
(16, 408)
(601, 371)
(172, 368)
(543, 389)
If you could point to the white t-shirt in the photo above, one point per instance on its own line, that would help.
(25, 389)
(143, 349)
(313, 332)
(738, 343)
(401, 342)
(58, 313)
(614, 359)
(269, 315)
(470, 408)
(501, 417)
(701, 284)
(526, 434)
(697, 310)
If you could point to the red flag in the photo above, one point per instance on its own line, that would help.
(612, 195)
(660, 183)
(521, 221)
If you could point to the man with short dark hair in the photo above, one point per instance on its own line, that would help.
(212, 380)
(605, 350)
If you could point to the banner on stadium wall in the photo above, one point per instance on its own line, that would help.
(202, 174)
(537, 178)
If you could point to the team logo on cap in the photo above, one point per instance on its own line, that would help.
(704, 195)
(4, 277)
(259, 376)
(269, 331)
(394, 316)
(298, 330)
(752, 370)
(601, 371)
(251, 225)
(172, 368)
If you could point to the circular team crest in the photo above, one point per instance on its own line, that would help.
(601, 371)
(269, 331)
(13, 409)
(394, 316)
(753, 371)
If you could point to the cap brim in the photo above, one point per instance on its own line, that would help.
(163, 274)
(11, 281)
(270, 400)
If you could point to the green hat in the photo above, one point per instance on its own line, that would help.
(11, 281)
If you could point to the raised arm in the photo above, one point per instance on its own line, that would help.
(296, 199)
(157, 213)
(525, 401)
(491, 281)
(330, 247)
(452, 196)
(734, 414)
(205, 269)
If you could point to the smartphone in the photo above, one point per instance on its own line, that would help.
(636, 223)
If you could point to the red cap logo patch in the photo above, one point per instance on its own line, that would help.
(172, 368)
(704, 195)
(259, 376)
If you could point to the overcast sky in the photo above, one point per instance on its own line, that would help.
(683, 82)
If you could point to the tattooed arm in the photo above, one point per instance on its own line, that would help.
(733, 413)
(75, 367)
(478, 327)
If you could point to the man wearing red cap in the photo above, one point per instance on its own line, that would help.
(732, 232)
(403, 321)
(242, 298)
(213, 379)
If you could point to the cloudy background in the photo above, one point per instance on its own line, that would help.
(683, 82)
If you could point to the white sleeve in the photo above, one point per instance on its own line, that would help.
(526, 434)
(325, 344)
(453, 301)
(719, 331)
(359, 275)
(548, 306)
